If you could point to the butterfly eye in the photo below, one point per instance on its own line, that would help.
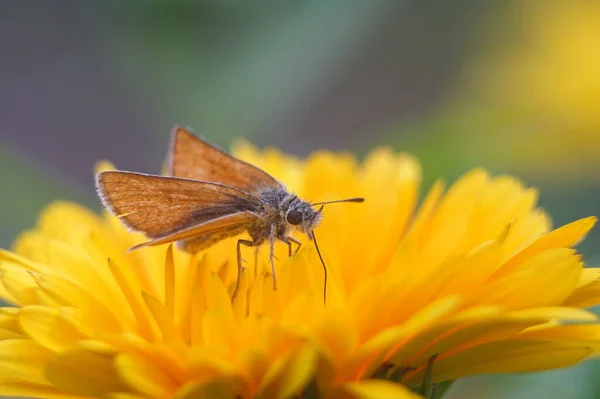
(294, 217)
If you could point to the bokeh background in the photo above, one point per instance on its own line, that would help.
(513, 86)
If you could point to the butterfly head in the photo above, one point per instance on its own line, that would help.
(302, 216)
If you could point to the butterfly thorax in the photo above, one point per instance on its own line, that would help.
(277, 205)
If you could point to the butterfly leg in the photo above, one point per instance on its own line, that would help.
(272, 237)
(297, 242)
(247, 243)
(256, 250)
(288, 241)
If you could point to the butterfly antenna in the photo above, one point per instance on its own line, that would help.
(324, 267)
(343, 200)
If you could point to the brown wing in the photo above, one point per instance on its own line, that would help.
(204, 235)
(193, 158)
(160, 206)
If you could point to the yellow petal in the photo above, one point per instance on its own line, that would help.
(335, 331)
(289, 374)
(125, 396)
(144, 376)
(524, 231)
(73, 263)
(507, 357)
(586, 334)
(371, 389)
(220, 388)
(170, 281)
(19, 283)
(558, 268)
(23, 359)
(68, 222)
(588, 275)
(472, 270)
(9, 319)
(162, 318)
(401, 188)
(67, 293)
(9, 334)
(197, 318)
(24, 262)
(204, 366)
(85, 373)
(142, 314)
(20, 388)
(562, 313)
(240, 305)
(477, 328)
(421, 221)
(455, 336)
(48, 328)
(503, 201)
(219, 325)
(386, 343)
(255, 363)
(184, 301)
(565, 236)
(584, 297)
(451, 218)
(169, 358)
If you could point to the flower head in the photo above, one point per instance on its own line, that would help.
(474, 275)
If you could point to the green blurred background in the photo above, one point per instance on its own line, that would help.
(513, 86)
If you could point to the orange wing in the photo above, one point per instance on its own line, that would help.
(205, 234)
(160, 206)
(193, 158)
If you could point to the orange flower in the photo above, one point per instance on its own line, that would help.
(475, 276)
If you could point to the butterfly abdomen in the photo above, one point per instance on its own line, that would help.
(207, 240)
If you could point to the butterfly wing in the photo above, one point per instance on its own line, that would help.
(160, 206)
(205, 234)
(193, 158)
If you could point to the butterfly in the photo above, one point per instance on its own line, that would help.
(208, 196)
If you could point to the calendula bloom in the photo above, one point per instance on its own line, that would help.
(475, 275)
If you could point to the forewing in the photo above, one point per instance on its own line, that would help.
(193, 158)
(159, 206)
